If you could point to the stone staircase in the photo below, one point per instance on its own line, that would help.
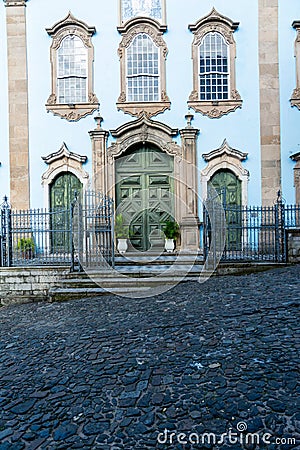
(133, 275)
(144, 275)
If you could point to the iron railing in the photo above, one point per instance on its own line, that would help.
(78, 236)
(253, 233)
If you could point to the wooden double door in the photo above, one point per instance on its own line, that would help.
(144, 194)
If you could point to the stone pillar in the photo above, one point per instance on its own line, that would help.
(269, 101)
(296, 158)
(188, 188)
(99, 157)
(18, 103)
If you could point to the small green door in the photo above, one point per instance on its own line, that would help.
(228, 185)
(62, 193)
(144, 187)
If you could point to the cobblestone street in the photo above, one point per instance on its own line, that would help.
(156, 373)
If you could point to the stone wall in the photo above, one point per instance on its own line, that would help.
(21, 285)
(293, 243)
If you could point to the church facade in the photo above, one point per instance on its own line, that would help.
(151, 102)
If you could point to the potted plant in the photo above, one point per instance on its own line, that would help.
(26, 246)
(122, 233)
(171, 232)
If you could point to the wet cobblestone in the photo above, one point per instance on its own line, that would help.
(112, 373)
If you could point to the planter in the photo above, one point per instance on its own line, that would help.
(169, 245)
(122, 245)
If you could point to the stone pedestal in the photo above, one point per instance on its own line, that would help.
(99, 157)
(188, 189)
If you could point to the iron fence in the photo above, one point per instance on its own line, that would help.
(254, 233)
(75, 236)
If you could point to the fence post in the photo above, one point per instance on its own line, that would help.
(6, 241)
(281, 251)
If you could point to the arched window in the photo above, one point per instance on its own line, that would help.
(214, 67)
(213, 53)
(72, 57)
(143, 54)
(142, 70)
(295, 99)
(72, 71)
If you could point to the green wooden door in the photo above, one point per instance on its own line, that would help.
(144, 187)
(229, 186)
(62, 193)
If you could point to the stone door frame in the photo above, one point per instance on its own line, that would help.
(141, 131)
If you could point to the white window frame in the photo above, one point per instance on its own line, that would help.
(72, 111)
(214, 23)
(129, 32)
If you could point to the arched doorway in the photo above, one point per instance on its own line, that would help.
(227, 184)
(62, 193)
(144, 188)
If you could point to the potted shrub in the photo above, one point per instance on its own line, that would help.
(171, 232)
(26, 246)
(122, 233)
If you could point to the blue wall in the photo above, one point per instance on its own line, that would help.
(240, 128)
(290, 117)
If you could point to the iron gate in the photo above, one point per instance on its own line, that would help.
(93, 232)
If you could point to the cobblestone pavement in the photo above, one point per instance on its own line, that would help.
(116, 373)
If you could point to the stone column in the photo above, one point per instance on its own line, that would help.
(269, 101)
(18, 103)
(188, 188)
(99, 157)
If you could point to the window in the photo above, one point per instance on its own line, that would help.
(142, 8)
(142, 54)
(142, 70)
(72, 57)
(213, 70)
(72, 71)
(213, 52)
(295, 100)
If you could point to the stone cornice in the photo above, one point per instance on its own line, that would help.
(144, 122)
(70, 21)
(144, 21)
(295, 156)
(225, 149)
(64, 152)
(15, 2)
(213, 17)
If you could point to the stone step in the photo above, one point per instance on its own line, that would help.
(81, 287)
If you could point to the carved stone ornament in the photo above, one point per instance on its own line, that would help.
(155, 31)
(225, 158)
(70, 26)
(214, 22)
(215, 109)
(140, 131)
